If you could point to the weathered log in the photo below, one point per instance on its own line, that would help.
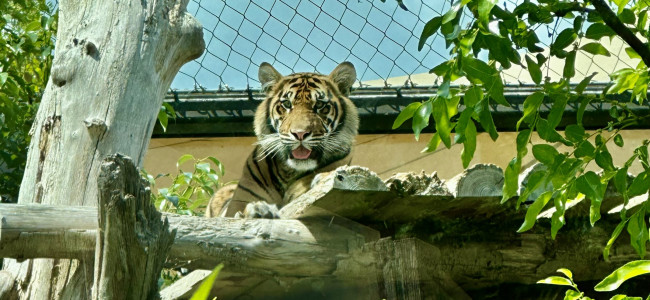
(272, 247)
(133, 240)
(417, 184)
(479, 261)
(344, 179)
(114, 62)
(411, 198)
(481, 180)
(29, 231)
(257, 251)
(408, 271)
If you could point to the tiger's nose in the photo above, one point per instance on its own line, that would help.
(300, 135)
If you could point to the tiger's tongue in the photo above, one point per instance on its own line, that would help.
(301, 153)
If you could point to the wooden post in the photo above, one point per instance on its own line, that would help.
(132, 240)
(114, 62)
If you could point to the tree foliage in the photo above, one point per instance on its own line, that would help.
(189, 192)
(507, 37)
(26, 48)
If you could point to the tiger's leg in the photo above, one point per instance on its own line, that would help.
(220, 200)
(260, 209)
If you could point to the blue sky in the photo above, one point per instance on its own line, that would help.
(380, 39)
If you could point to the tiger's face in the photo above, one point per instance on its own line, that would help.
(306, 120)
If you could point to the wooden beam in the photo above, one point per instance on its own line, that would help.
(273, 247)
(30, 231)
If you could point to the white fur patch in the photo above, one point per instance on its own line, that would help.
(302, 164)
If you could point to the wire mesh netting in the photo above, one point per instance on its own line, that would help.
(379, 38)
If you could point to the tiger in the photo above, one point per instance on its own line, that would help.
(306, 125)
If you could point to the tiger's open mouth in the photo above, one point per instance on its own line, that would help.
(300, 153)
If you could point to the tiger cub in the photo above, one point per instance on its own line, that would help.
(306, 125)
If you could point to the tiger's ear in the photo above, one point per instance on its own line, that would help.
(344, 75)
(268, 75)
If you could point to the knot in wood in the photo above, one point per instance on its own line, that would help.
(95, 126)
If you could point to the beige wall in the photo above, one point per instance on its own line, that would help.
(385, 154)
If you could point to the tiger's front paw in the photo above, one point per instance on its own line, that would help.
(261, 210)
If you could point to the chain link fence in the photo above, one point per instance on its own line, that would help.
(379, 38)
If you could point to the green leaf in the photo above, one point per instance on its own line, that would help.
(566, 273)
(626, 15)
(575, 133)
(218, 164)
(467, 41)
(585, 149)
(433, 144)
(441, 117)
(545, 153)
(442, 68)
(638, 231)
(546, 132)
(620, 181)
(183, 159)
(203, 292)
(522, 141)
(531, 105)
(590, 185)
(577, 23)
(598, 30)
(595, 49)
(584, 83)
(574, 295)
(556, 280)
(629, 270)
(429, 29)
(612, 239)
(472, 96)
(564, 39)
(489, 76)
(534, 210)
(461, 125)
(618, 140)
(469, 146)
(569, 65)
(604, 159)
(484, 8)
(639, 185)
(485, 119)
(205, 167)
(163, 118)
(581, 110)
(3, 78)
(555, 115)
(534, 70)
(406, 114)
(421, 118)
(643, 20)
(453, 11)
(511, 177)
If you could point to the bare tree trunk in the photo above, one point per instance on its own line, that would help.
(113, 63)
(133, 240)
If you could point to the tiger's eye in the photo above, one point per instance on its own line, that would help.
(286, 104)
(325, 110)
(319, 104)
